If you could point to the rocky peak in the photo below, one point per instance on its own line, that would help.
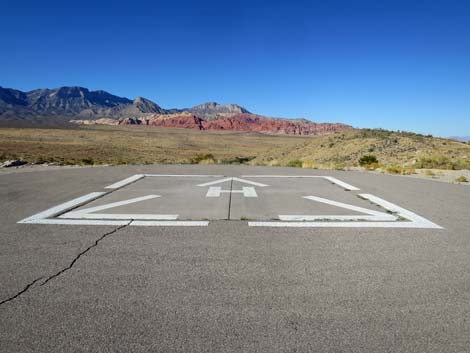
(70, 92)
(212, 110)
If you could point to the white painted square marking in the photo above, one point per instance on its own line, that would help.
(67, 213)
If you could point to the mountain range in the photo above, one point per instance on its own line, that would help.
(78, 105)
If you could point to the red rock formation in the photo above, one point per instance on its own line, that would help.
(236, 122)
(251, 122)
(182, 120)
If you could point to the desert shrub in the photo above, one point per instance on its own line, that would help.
(207, 161)
(43, 159)
(367, 160)
(237, 160)
(259, 163)
(70, 162)
(296, 163)
(461, 179)
(374, 133)
(203, 158)
(408, 171)
(87, 161)
(372, 166)
(119, 162)
(339, 166)
(438, 162)
(308, 164)
(393, 169)
(429, 173)
(274, 163)
(462, 164)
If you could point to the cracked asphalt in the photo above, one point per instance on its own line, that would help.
(229, 287)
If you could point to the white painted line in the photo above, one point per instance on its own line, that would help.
(345, 205)
(76, 214)
(341, 225)
(233, 179)
(54, 211)
(125, 182)
(170, 223)
(281, 176)
(330, 178)
(215, 182)
(80, 222)
(85, 222)
(372, 215)
(184, 175)
(385, 217)
(155, 217)
(249, 182)
(421, 221)
(341, 183)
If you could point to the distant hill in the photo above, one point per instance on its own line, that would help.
(81, 106)
(212, 110)
(461, 138)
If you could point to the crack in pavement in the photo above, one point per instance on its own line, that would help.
(31, 284)
(65, 269)
(25, 289)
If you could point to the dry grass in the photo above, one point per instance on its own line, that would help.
(407, 150)
(135, 145)
(396, 152)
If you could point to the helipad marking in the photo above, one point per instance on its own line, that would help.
(330, 178)
(372, 214)
(341, 183)
(247, 191)
(154, 217)
(87, 213)
(184, 175)
(63, 207)
(347, 206)
(80, 222)
(107, 206)
(85, 222)
(137, 177)
(233, 179)
(413, 220)
(425, 223)
(341, 225)
(170, 223)
(125, 182)
(86, 217)
(385, 217)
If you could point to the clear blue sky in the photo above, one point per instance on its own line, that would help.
(391, 64)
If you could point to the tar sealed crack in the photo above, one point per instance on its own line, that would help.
(31, 284)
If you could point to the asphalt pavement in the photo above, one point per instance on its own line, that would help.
(232, 259)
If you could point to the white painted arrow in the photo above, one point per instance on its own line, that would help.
(233, 179)
(371, 215)
(412, 219)
(88, 213)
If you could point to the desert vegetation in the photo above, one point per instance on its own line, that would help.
(387, 151)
